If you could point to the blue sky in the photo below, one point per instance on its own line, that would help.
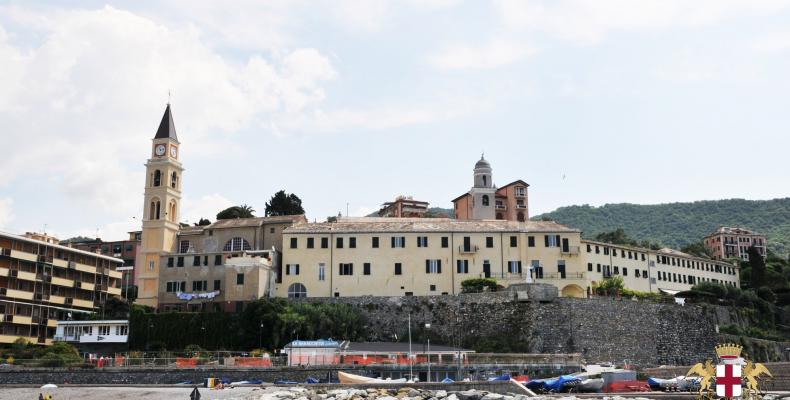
(591, 102)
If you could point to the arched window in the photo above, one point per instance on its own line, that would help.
(158, 209)
(174, 180)
(297, 290)
(153, 212)
(485, 199)
(237, 244)
(520, 217)
(171, 212)
(157, 178)
(485, 180)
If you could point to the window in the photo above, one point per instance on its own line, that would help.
(637, 274)
(324, 243)
(521, 191)
(589, 248)
(157, 178)
(551, 240)
(644, 273)
(104, 330)
(643, 256)
(433, 288)
(433, 266)
(321, 271)
(398, 269)
(239, 279)
(597, 267)
(218, 259)
(485, 196)
(375, 242)
(398, 242)
(616, 270)
(310, 243)
(561, 268)
(366, 269)
(422, 241)
(180, 262)
(597, 250)
(589, 267)
(346, 269)
(606, 251)
(352, 243)
(462, 266)
(531, 241)
(445, 242)
(514, 267)
(513, 241)
(293, 243)
(237, 244)
(170, 262)
(199, 286)
(489, 242)
(217, 284)
(205, 260)
(625, 271)
(292, 269)
(122, 330)
(297, 290)
(175, 286)
(173, 180)
(537, 268)
(339, 243)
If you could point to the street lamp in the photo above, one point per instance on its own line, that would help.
(260, 338)
(428, 354)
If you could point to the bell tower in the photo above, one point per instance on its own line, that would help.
(483, 192)
(161, 208)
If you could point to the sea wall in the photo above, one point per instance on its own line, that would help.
(601, 329)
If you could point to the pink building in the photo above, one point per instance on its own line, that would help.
(727, 242)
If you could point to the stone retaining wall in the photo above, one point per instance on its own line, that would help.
(601, 329)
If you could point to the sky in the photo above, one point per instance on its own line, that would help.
(348, 104)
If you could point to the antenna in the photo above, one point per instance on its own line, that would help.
(168, 97)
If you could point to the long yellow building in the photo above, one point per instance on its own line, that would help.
(427, 256)
(42, 282)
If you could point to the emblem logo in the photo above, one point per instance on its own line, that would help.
(728, 376)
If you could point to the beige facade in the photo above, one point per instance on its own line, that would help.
(414, 256)
(396, 257)
(42, 281)
(228, 263)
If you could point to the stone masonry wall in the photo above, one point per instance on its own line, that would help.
(601, 329)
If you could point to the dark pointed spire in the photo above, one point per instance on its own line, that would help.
(167, 129)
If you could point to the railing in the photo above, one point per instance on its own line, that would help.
(521, 206)
(570, 250)
(501, 207)
(468, 249)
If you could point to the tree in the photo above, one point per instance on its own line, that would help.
(284, 204)
(757, 267)
(242, 211)
(203, 222)
(696, 249)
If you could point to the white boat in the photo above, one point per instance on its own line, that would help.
(345, 377)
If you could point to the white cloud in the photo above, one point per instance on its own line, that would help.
(773, 42)
(588, 22)
(205, 207)
(368, 15)
(496, 53)
(6, 214)
(79, 107)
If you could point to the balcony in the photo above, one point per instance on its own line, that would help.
(501, 207)
(468, 249)
(570, 250)
(521, 206)
(13, 338)
(24, 255)
(115, 274)
(28, 276)
(62, 282)
(57, 299)
(19, 294)
(114, 291)
(85, 268)
(60, 263)
(82, 303)
(4, 271)
(19, 319)
(52, 323)
(87, 286)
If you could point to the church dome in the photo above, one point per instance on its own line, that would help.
(482, 163)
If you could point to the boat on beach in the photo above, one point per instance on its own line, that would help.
(345, 377)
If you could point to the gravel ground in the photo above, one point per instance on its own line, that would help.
(107, 393)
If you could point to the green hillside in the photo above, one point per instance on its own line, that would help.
(678, 224)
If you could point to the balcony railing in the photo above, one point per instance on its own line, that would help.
(468, 249)
(570, 250)
(501, 207)
(521, 206)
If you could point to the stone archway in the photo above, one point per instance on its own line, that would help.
(572, 291)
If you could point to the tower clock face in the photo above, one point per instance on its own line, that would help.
(160, 150)
(173, 151)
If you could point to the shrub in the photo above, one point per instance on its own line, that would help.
(477, 285)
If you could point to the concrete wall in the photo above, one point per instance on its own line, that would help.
(601, 329)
